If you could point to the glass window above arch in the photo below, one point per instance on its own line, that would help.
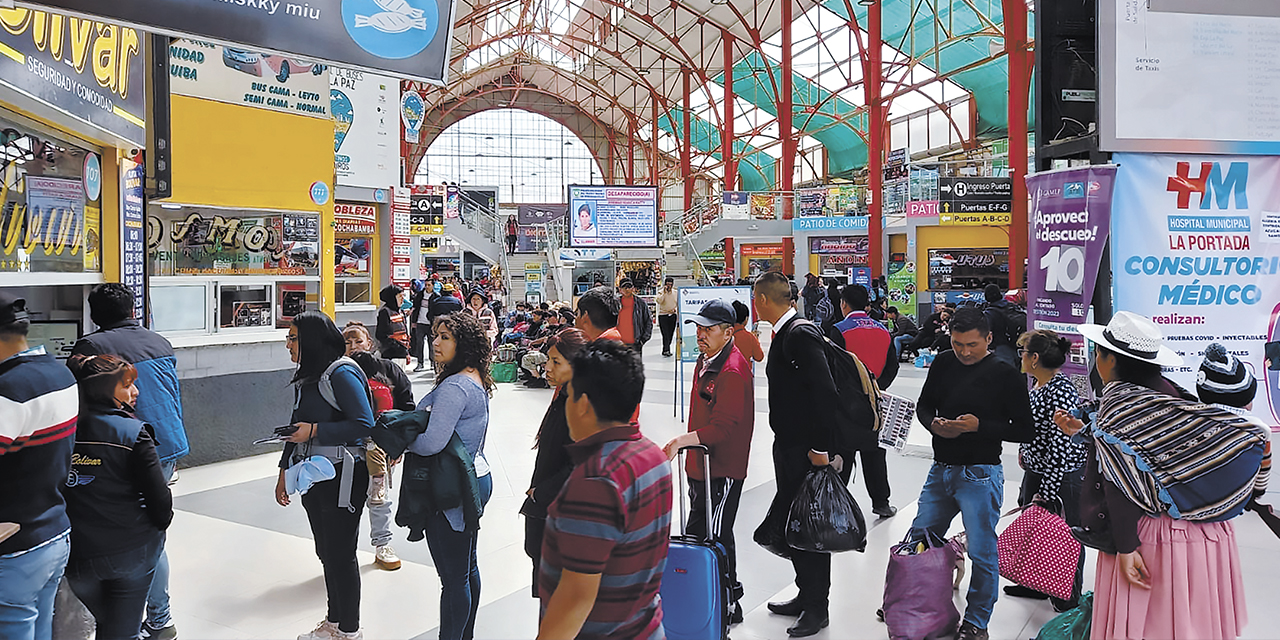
(530, 157)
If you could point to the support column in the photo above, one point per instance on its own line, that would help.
(631, 151)
(788, 256)
(728, 259)
(1015, 43)
(873, 73)
(788, 137)
(608, 154)
(686, 145)
(657, 151)
(726, 135)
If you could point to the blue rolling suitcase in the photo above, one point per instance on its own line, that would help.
(695, 585)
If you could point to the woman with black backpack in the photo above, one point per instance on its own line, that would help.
(332, 418)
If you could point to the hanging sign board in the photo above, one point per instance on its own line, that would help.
(406, 38)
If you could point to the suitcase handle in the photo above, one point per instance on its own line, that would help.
(684, 482)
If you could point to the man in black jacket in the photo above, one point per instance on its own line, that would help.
(802, 415)
(971, 403)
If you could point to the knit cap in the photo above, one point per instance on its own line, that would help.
(1223, 379)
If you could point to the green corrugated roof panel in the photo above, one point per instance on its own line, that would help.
(988, 82)
(845, 149)
(756, 169)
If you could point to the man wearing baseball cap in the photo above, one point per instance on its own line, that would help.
(37, 433)
(721, 418)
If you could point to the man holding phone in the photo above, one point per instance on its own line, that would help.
(971, 403)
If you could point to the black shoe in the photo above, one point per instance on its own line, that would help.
(1019, 591)
(970, 632)
(1063, 606)
(885, 510)
(788, 608)
(735, 615)
(666, 354)
(808, 624)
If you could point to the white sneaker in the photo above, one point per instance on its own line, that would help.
(324, 631)
(377, 490)
(329, 631)
(386, 558)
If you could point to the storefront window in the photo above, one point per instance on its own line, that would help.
(969, 269)
(219, 270)
(50, 204)
(355, 230)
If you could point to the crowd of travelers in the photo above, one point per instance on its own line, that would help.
(93, 444)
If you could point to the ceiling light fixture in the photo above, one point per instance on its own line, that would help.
(166, 205)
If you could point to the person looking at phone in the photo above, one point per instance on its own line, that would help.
(971, 403)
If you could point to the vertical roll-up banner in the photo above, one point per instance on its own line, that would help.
(1070, 221)
(1196, 248)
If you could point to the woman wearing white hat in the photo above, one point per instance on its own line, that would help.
(1158, 506)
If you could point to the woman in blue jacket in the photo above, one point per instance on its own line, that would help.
(117, 498)
(459, 404)
(333, 428)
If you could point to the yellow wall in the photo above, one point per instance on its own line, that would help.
(247, 158)
(952, 238)
(898, 243)
(109, 232)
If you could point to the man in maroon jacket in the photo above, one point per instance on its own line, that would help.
(721, 417)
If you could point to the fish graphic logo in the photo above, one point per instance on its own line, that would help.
(392, 29)
(343, 115)
(397, 16)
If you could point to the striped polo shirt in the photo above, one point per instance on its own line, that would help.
(612, 518)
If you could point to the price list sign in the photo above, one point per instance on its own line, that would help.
(133, 248)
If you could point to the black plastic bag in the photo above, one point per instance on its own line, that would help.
(824, 517)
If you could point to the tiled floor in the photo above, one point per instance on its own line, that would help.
(244, 567)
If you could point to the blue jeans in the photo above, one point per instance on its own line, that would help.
(454, 554)
(901, 342)
(114, 588)
(976, 492)
(158, 616)
(28, 582)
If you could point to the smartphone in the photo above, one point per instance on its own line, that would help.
(286, 430)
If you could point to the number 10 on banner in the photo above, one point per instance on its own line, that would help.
(1064, 270)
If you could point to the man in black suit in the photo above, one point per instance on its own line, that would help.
(802, 415)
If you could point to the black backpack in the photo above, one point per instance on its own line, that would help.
(859, 394)
(1008, 323)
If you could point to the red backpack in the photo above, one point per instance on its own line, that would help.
(382, 399)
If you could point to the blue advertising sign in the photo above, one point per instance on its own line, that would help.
(408, 38)
(133, 229)
(832, 223)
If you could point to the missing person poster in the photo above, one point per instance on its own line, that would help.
(606, 216)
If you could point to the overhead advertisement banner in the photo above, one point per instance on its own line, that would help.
(1195, 246)
(366, 127)
(1070, 223)
(235, 76)
(407, 38)
(734, 205)
(613, 216)
(88, 70)
(540, 213)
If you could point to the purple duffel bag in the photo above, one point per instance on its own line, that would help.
(918, 601)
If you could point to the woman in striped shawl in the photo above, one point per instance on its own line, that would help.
(1165, 474)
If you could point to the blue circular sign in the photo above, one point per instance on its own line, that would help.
(319, 193)
(379, 195)
(391, 29)
(92, 176)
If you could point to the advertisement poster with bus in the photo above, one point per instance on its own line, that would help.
(608, 216)
(1195, 246)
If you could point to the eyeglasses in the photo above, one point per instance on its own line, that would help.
(1022, 352)
(291, 338)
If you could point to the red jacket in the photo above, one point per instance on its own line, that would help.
(722, 411)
